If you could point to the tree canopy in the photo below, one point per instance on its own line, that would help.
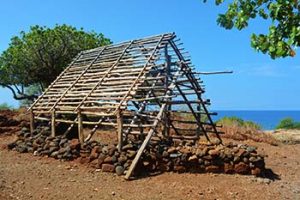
(284, 30)
(38, 56)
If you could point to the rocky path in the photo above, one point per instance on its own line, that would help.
(24, 176)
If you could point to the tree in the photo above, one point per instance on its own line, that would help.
(38, 56)
(284, 30)
(33, 89)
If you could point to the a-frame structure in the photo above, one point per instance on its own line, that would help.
(143, 88)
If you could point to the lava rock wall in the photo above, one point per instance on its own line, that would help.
(158, 157)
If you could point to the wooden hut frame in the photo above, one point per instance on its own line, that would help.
(136, 86)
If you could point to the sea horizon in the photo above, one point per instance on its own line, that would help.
(267, 119)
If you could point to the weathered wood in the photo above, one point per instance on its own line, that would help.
(178, 102)
(140, 151)
(142, 71)
(193, 112)
(80, 75)
(141, 107)
(195, 84)
(101, 80)
(215, 72)
(167, 123)
(152, 130)
(80, 127)
(61, 74)
(53, 123)
(153, 98)
(31, 121)
(120, 130)
(137, 79)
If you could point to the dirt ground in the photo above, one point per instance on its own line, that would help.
(24, 176)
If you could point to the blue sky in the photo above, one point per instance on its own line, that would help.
(258, 82)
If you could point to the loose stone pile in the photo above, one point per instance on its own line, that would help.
(158, 157)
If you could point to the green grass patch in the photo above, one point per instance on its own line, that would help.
(238, 122)
(288, 123)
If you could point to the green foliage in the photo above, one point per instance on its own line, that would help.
(31, 90)
(238, 122)
(38, 56)
(5, 106)
(288, 123)
(284, 30)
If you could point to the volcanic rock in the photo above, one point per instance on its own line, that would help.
(74, 144)
(108, 168)
(119, 170)
(241, 168)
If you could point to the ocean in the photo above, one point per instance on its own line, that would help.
(267, 119)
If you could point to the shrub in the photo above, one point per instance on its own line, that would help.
(238, 122)
(5, 106)
(238, 129)
(288, 123)
(251, 124)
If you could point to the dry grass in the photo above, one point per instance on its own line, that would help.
(286, 136)
(247, 133)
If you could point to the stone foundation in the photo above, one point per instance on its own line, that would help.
(158, 157)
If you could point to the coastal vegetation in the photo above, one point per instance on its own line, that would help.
(238, 122)
(288, 123)
(238, 129)
(5, 106)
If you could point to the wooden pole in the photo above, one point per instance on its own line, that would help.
(196, 86)
(168, 107)
(31, 121)
(80, 127)
(212, 73)
(120, 130)
(152, 130)
(199, 116)
(53, 123)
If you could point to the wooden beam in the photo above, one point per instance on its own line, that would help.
(198, 132)
(106, 74)
(120, 130)
(145, 143)
(53, 123)
(167, 122)
(194, 84)
(61, 74)
(212, 73)
(193, 112)
(77, 79)
(80, 127)
(142, 106)
(152, 130)
(142, 71)
(31, 121)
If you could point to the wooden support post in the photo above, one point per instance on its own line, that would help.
(31, 121)
(168, 107)
(152, 130)
(146, 141)
(196, 86)
(193, 112)
(139, 153)
(80, 127)
(199, 116)
(53, 123)
(120, 130)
